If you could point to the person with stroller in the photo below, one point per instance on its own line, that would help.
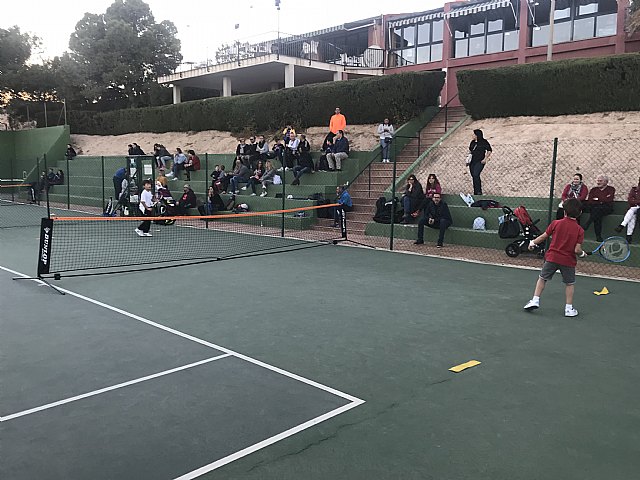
(575, 189)
(599, 204)
(436, 215)
(631, 216)
(412, 199)
(566, 242)
(479, 151)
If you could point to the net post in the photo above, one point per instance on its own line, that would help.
(206, 186)
(102, 175)
(284, 183)
(68, 185)
(46, 183)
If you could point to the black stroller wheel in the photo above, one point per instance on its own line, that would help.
(512, 250)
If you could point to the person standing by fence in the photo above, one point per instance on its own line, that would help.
(479, 153)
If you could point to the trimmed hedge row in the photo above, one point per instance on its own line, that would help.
(584, 85)
(399, 96)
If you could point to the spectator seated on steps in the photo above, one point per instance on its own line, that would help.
(631, 216)
(187, 200)
(305, 163)
(436, 215)
(262, 149)
(256, 178)
(291, 151)
(268, 177)
(412, 199)
(239, 175)
(432, 187)
(339, 152)
(179, 159)
(599, 204)
(161, 155)
(192, 164)
(242, 152)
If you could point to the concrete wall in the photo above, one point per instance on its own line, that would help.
(24, 150)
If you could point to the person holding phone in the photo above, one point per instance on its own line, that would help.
(385, 132)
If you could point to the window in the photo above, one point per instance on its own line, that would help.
(409, 36)
(606, 25)
(491, 31)
(574, 20)
(436, 30)
(583, 28)
(424, 31)
(416, 43)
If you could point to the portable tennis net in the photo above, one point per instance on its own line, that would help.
(77, 246)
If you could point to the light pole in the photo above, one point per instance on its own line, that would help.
(552, 12)
(278, 50)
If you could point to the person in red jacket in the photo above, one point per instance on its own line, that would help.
(566, 242)
(631, 216)
(575, 189)
(599, 204)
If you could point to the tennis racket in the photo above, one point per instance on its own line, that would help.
(613, 249)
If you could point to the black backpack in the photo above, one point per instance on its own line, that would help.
(383, 211)
(323, 164)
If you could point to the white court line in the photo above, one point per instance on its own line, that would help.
(199, 340)
(109, 389)
(354, 401)
(269, 441)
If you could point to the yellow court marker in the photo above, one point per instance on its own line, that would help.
(604, 291)
(464, 366)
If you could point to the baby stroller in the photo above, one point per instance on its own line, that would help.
(166, 206)
(529, 231)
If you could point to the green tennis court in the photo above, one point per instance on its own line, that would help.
(324, 363)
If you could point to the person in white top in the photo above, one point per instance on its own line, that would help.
(385, 132)
(146, 207)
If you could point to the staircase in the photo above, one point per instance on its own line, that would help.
(364, 198)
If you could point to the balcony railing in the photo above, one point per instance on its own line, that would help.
(308, 49)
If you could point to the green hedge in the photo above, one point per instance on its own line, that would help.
(399, 96)
(584, 85)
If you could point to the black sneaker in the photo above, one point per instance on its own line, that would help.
(419, 242)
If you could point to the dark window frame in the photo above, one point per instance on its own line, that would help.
(574, 8)
(398, 49)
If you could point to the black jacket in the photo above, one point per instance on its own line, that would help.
(438, 212)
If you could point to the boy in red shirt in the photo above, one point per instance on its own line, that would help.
(566, 242)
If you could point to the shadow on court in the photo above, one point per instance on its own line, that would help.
(554, 398)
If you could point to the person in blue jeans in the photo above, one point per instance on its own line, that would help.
(385, 131)
(436, 215)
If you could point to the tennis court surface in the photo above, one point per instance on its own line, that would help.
(325, 363)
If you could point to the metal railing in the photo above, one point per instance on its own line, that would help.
(305, 48)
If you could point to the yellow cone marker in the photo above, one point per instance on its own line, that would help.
(604, 291)
(464, 366)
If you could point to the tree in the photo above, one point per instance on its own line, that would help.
(634, 17)
(119, 55)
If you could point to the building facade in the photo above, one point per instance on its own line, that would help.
(460, 36)
(496, 33)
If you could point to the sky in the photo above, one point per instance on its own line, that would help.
(203, 25)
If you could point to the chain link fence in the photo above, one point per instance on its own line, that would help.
(533, 175)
